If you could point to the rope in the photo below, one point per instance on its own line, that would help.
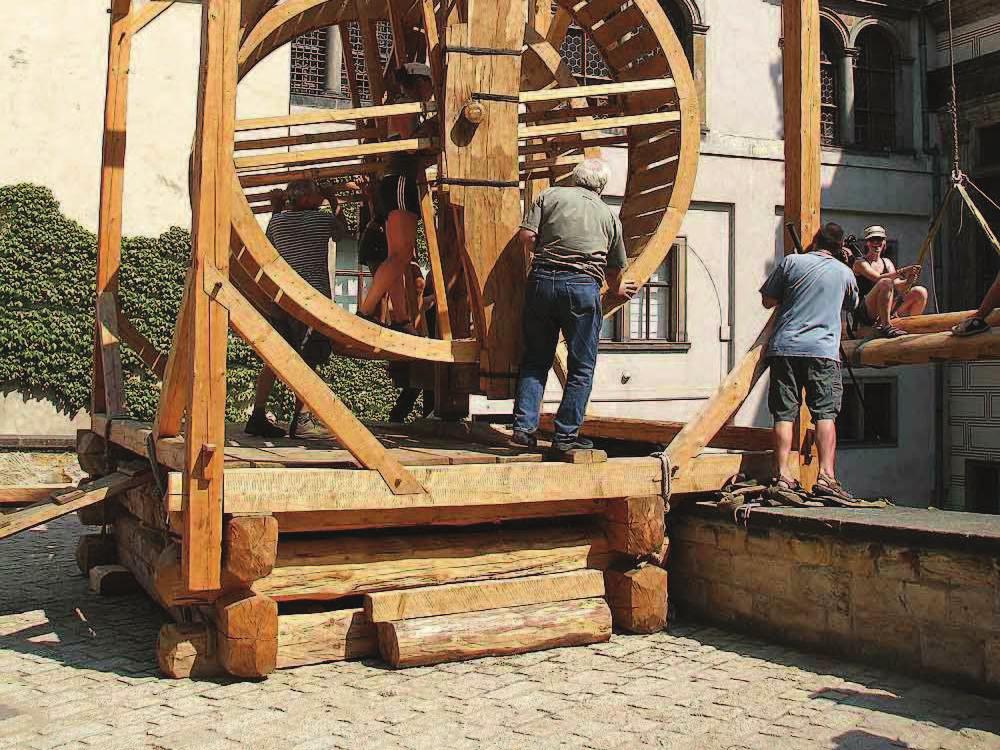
(956, 169)
(976, 187)
(665, 478)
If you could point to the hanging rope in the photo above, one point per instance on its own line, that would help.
(956, 168)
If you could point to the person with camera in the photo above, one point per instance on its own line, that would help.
(886, 292)
(301, 235)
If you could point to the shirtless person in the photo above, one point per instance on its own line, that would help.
(884, 288)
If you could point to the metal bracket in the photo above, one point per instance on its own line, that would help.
(485, 96)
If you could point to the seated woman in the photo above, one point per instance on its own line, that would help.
(399, 202)
(885, 291)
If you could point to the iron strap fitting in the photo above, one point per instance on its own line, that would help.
(485, 96)
(477, 183)
(460, 49)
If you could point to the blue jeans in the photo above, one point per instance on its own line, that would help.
(571, 303)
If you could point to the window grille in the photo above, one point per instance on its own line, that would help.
(583, 57)
(874, 91)
(829, 84)
(308, 75)
(655, 314)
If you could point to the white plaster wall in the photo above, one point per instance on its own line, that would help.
(54, 57)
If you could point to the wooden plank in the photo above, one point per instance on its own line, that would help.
(475, 597)
(940, 322)
(288, 490)
(558, 27)
(282, 177)
(322, 568)
(449, 516)
(618, 26)
(48, 510)
(29, 494)
(441, 312)
(310, 388)
(663, 431)
(177, 372)
(564, 128)
(318, 637)
(350, 65)
(151, 357)
(325, 116)
(299, 139)
(145, 15)
(369, 45)
(495, 632)
(601, 89)
(315, 156)
(107, 394)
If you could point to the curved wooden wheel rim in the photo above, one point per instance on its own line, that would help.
(637, 42)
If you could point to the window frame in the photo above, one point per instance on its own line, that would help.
(846, 442)
(863, 109)
(677, 340)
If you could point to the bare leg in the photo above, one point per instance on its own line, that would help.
(401, 234)
(879, 301)
(913, 303)
(826, 443)
(782, 448)
(991, 301)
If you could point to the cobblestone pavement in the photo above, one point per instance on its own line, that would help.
(77, 671)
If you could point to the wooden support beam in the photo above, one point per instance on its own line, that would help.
(918, 349)
(638, 598)
(980, 219)
(495, 632)
(369, 44)
(300, 139)
(187, 650)
(284, 176)
(95, 549)
(315, 156)
(141, 18)
(350, 65)
(249, 549)
(624, 121)
(318, 637)
(107, 395)
(177, 372)
(325, 116)
(441, 312)
(635, 526)
(289, 366)
(663, 431)
(151, 357)
(323, 568)
(939, 322)
(208, 320)
(456, 598)
(246, 626)
(600, 89)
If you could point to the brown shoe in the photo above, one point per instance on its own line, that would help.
(309, 429)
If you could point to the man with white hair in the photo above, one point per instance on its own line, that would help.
(577, 244)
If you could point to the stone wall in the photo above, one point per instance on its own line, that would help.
(916, 590)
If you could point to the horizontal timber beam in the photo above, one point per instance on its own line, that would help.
(310, 173)
(313, 156)
(922, 348)
(661, 431)
(335, 115)
(601, 89)
(563, 128)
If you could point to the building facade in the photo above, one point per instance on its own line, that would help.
(665, 354)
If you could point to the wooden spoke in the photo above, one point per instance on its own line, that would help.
(539, 131)
(603, 89)
(141, 18)
(323, 116)
(299, 139)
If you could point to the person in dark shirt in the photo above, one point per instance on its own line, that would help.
(886, 292)
(302, 236)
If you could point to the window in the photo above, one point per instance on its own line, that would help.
(352, 279)
(982, 486)
(829, 84)
(656, 316)
(989, 146)
(583, 57)
(310, 69)
(874, 91)
(874, 421)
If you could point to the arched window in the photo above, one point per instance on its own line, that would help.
(874, 91)
(829, 82)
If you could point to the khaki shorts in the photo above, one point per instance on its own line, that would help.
(819, 378)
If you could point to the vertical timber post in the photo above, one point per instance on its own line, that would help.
(209, 320)
(106, 396)
(802, 164)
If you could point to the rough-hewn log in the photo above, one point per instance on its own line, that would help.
(112, 580)
(95, 549)
(494, 632)
(249, 547)
(146, 504)
(470, 515)
(94, 515)
(482, 595)
(317, 637)
(638, 598)
(247, 633)
(663, 431)
(92, 453)
(349, 564)
(187, 651)
(635, 525)
(922, 348)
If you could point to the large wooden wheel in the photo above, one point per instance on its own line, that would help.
(498, 84)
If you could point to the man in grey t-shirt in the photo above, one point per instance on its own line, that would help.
(576, 241)
(804, 352)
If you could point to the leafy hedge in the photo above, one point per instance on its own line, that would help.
(47, 264)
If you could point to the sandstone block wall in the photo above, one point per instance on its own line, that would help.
(933, 611)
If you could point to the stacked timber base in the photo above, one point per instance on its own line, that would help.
(507, 555)
(413, 596)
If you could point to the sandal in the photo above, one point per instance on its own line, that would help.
(832, 492)
(970, 327)
(789, 492)
(887, 331)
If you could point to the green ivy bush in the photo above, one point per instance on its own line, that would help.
(47, 266)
